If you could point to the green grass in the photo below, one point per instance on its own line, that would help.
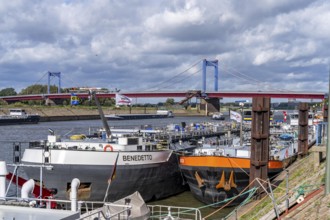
(300, 176)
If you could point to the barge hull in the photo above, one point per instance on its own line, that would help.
(17, 121)
(135, 116)
(208, 192)
(152, 181)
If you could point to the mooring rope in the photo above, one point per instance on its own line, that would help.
(242, 203)
(206, 206)
(241, 193)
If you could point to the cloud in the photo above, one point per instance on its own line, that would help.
(140, 45)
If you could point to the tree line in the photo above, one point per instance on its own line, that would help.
(43, 89)
(34, 89)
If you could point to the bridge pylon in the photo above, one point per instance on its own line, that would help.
(54, 74)
(213, 63)
(210, 104)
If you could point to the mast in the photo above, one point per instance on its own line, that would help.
(104, 120)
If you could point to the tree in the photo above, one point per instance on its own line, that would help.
(169, 101)
(8, 92)
(39, 89)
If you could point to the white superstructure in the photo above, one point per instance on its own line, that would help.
(294, 118)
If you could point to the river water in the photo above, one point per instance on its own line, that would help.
(24, 133)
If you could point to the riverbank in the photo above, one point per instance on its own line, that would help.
(306, 179)
(56, 113)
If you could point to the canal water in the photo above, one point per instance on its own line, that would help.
(25, 133)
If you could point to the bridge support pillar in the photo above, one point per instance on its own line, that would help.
(49, 102)
(303, 129)
(259, 141)
(210, 105)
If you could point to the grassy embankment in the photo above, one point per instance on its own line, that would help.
(303, 176)
(48, 111)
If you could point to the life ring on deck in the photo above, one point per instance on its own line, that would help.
(108, 146)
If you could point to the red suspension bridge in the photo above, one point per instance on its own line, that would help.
(175, 94)
(186, 95)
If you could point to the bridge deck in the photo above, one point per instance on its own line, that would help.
(179, 94)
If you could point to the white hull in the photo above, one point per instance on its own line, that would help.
(154, 174)
(106, 158)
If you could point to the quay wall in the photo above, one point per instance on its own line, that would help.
(68, 118)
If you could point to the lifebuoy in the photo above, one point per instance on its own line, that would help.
(108, 146)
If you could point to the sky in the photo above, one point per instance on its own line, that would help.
(268, 45)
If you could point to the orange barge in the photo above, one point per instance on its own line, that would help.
(216, 174)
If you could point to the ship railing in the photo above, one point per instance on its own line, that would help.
(15, 174)
(37, 202)
(87, 209)
(118, 212)
(174, 212)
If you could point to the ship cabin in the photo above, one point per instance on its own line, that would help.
(17, 112)
(247, 115)
(294, 118)
(81, 142)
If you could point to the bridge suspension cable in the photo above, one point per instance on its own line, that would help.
(36, 82)
(74, 84)
(40, 79)
(174, 79)
(245, 77)
(178, 81)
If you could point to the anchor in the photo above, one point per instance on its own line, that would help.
(226, 185)
(200, 181)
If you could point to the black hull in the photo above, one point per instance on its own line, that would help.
(208, 193)
(136, 116)
(32, 119)
(153, 182)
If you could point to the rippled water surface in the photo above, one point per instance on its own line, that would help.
(24, 133)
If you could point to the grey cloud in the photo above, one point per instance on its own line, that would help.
(135, 45)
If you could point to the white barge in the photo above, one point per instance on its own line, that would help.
(122, 166)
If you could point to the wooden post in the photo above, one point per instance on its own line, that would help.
(303, 129)
(260, 140)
